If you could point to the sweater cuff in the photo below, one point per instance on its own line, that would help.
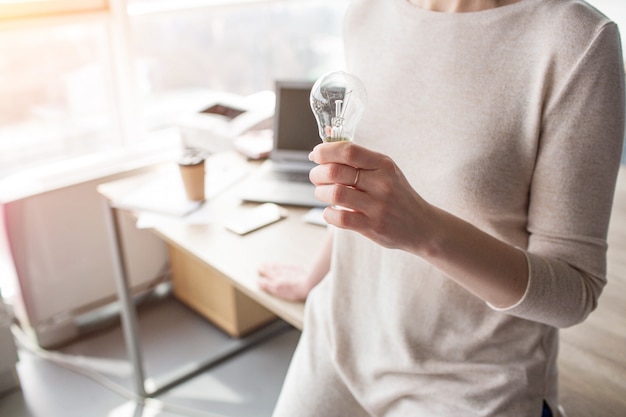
(526, 291)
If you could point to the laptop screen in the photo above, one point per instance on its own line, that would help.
(295, 127)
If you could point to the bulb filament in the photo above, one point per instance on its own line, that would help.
(337, 121)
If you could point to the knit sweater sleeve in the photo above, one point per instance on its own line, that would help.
(572, 187)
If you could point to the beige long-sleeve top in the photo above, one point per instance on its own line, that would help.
(512, 119)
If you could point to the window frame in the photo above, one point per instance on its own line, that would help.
(24, 9)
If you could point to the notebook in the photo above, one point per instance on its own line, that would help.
(284, 177)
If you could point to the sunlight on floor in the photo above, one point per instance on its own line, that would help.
(208, 388)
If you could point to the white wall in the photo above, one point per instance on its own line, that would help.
(615, 10)
(62, 256)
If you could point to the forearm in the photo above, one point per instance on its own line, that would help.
(321, 265)
(489, 268)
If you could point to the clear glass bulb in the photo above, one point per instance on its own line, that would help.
(338, 100)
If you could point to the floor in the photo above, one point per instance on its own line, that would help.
(90, 377)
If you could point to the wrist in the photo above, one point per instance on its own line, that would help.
(431, 233)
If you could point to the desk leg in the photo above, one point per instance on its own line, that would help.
(127, 305)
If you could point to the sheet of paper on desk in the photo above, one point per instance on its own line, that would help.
(203, 215)
(163, 194)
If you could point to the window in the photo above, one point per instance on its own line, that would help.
(57, 91)
(10, 9)
(240, 49)
(85, 77)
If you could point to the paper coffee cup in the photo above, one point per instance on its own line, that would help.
(192, 171)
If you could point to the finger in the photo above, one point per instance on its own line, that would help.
(266, 269)
(347, 153)
(265, 284)
(262, 280)
(277, 270)
(345, 219)
(344, 196)
(335, 174)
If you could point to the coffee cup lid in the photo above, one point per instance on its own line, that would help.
(192, 156)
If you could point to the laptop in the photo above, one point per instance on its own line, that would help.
(284, 177)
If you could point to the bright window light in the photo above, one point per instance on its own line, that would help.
(79, 86)
(11, 9)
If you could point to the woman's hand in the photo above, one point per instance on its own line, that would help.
(284, 281)
(381, 203)
(377, 201)
(294, 282)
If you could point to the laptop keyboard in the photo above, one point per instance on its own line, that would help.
(293, 176)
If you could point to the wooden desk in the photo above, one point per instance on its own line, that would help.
(237, 257)
(215, 259)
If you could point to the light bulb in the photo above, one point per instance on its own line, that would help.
(338, 100)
